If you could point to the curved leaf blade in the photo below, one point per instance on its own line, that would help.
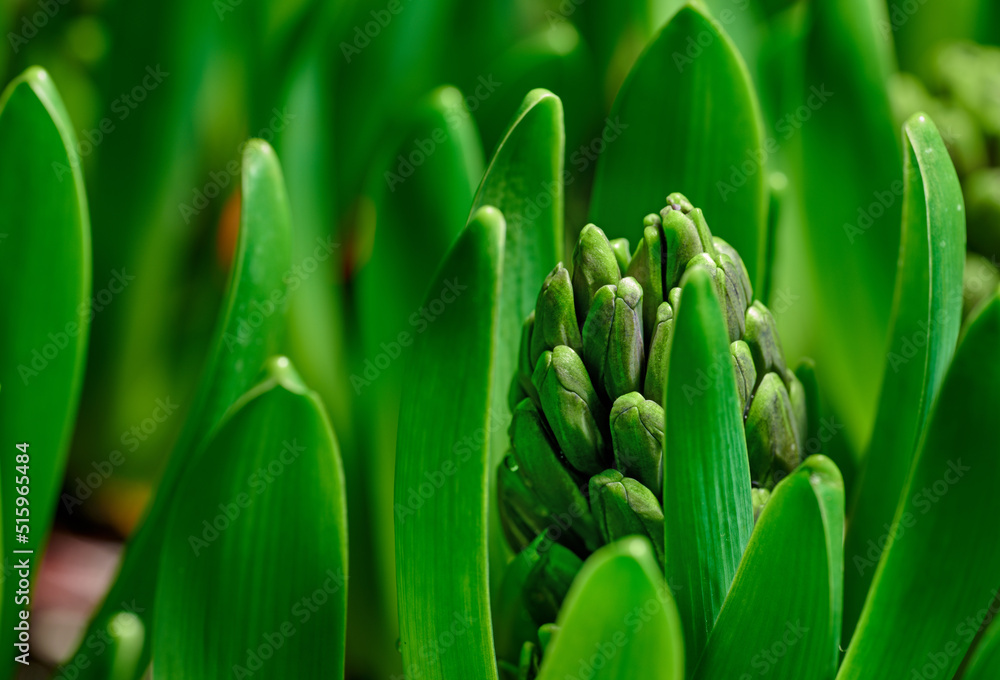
(443, 466)
(984, 664)
(238, 350)
(687, 122)
(920, 600)
(634, 633)
(705, 463)
(851, 192)
(926, 318)
(415, 220)
(45, 273)
(524, 180)
(254, 561)
(765, 626)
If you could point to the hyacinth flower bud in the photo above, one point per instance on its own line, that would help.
(594, 265)
(572, 408)
(624, 507)
(646, 267)
(656, 361)
(545, 475)
(771, 430)
(637, 438)
(612, 338)
(555, 315)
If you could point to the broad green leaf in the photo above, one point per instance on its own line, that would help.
(254, 561)
(443, 466)
(927, 313)
(850, 178)
(419, 202)
(942, 564)
(618, 621)
(250, 326)
(317, 341)
(687, 120)
(782, 616)
(45, 315)
(524, 180)
(705, 463)
(984, 663)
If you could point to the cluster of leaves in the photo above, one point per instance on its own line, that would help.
(891, 589)
(788, 170)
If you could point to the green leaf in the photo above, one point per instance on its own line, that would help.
(926, 317)
(942, 565)
(250, 326)
(687, 121)
(254, 561)
(524, 180)
(618, 620)
(416, 212)
(434, 194)
(850, 179)
(443, 466)
(705, 463)
(984, 664)
(765, 626)
(317, 327)
(554, 57)
(45, 273)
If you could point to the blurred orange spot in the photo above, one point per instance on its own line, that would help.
(229, 230)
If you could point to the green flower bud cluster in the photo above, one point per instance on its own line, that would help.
(585, 466)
